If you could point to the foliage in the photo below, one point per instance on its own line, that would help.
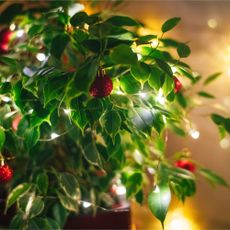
(66, 138)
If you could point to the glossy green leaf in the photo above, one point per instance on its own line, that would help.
(156, 78)
(67, 202)
(183, 50)
(42, 182)
(30, 205)
(212, 177)
(94, 109)
(78, 18)
(168, 85)
(59, 44)
(211, 78)
(164, 66)
(121, 101)
(222, 121)
(124, 55)
(111, 122)
(122, 21)
(70, 185)
(170, 24)
(2, 137)
(133, 184)
(31, 137)
(17, 222)
(205, 94)
(159, 200)
(16, 193)
(130, 85)
(141, 71)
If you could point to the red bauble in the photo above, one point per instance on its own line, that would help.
(6, 173)
(5, 36)
(186, 164)
(177, 84)
(101, 87)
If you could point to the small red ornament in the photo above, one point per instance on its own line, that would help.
(6, 173)
(177, 84)
(5, 36)
(186, 164)
(102, 85)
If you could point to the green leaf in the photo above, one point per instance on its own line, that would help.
(205, 94)
(159, 200)
(141, 71)
(78, 18)
(2, 137)
(155, 79)
(70, 185)
(124, 55)
(42, 182)
(59, 44)
(94, 109)
(164, 66)
(168, 85)
(79, 115)
(31, 137)
(67, 202)
(212, 78)
(222, 121)
(30, 205)
(183, 50)
(17, 222)
(34, 30)
(16, 193)
(142, 119)
(90, 151)
(129, 84)
(181, 100)
(170, 24)
(212, 177)
(122, 21)
(111, 122)
(51, 224)
(134, 184)
(121, 101)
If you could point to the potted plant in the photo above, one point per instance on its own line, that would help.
(86, 104)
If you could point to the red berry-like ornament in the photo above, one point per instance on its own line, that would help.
(5, 36)
(6, 173)
(185, 164)
(177, 85)
(102, 85)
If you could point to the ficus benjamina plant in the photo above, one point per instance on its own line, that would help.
(86, 103)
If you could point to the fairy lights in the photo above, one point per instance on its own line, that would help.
(212, 23)
(195, 134)
(54, 136)
(86, 204)
(19, 33)
(41, 57)
(12, 27)
(67, 111)
(160, 97)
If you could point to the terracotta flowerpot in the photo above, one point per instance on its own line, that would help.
(117, 219)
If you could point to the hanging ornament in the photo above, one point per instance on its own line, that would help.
(102, 85)
(6, 173)
(5, 36)
(186, 164)
(177, 85)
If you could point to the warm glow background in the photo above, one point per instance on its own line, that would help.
(210, 44)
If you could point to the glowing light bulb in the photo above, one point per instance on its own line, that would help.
(160, 97)
(67, 111)
(151, 170)
(6, 99)
(86, 204)
(54, 135)
(120, 190)
(139, 56)
(12, 27)
(179, 222)
(195, 134)
(224, 143)
(19, 33)
(212, 23)
(174, 69)
(154, 43)
(41, 57)
(119, 92)
(156, 189)
(143, 95)
(30, 111)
